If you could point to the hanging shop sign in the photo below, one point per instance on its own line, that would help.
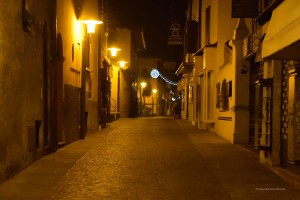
(175, 38)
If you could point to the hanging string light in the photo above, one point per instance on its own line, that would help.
(155, 74)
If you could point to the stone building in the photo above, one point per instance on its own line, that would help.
(239, 75)
(27, 57)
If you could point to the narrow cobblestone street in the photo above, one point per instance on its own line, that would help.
(153, 158)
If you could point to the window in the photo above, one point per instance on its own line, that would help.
(191, 93)
(224, 95)
(264, 4)
(218, 95)
(207, 25)
(209, 95)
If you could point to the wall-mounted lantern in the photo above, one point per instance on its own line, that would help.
(91, 25)
(143, 84)
(113, 51)
(123, 65)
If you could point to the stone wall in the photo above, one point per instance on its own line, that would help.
(21, 84)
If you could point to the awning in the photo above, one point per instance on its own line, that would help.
(282, 41)
(200, 51)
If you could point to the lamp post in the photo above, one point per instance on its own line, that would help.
(153, 93)
(85, 63)
(143, 85)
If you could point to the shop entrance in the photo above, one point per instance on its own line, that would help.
(263, 114)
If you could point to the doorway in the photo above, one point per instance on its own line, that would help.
(263, 114)
(293, 139)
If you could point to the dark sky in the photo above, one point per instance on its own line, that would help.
(155, 17)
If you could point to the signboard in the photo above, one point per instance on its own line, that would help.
(175, 38)
(244, 8)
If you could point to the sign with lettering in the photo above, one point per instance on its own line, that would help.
(175, 37)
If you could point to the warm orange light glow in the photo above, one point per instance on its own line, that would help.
(143, 84)
(154, 91)
(113, 51)
(91, 25)
(77, 31)
(122, 64)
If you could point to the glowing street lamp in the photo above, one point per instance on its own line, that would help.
(91, 25)
(113, 51)
(143, 84)
(122, 64)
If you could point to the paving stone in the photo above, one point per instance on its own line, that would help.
(159, 158)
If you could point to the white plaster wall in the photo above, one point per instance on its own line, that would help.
(223, 127)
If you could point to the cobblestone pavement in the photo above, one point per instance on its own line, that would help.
(144, 159)
(164, 158)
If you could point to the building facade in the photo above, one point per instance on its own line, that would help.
(55, 77)
(27, 55)
(214, 91)
(279, 52)
(124, 70)
(239, 75)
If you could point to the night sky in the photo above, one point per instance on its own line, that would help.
(155, 18)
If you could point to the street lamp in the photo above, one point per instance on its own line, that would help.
(113, 51)
(91, 25)
(85, 63)
(143, 85)
(122, 65)
(154, 91)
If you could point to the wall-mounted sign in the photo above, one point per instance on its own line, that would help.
(175, 38)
